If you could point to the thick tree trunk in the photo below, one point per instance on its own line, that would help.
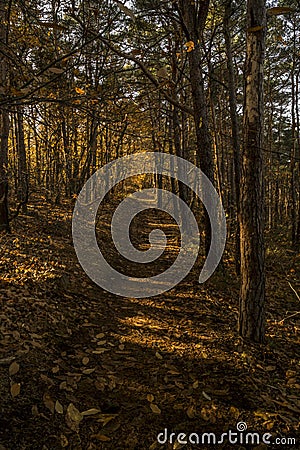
(252, 297)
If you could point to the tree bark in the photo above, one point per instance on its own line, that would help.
(234, 126)
(4, 118)
(252, 296)
(193, 15)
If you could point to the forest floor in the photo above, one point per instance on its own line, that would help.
(81, 368)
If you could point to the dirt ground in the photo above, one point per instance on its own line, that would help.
(81, 368)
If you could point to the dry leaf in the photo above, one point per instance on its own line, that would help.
(85, 360)
(101, 437)
(191, 412)
(73, 417)
(79, 91)
(64, 441)
(35, 411)
(195, 384)
(106, 418)
(150, 398)
(158, 355)
(59, 407)
(234, 412)
(190, 46)
(15, 389)
(155, 409)
(91, 412)
(100, 336)
(48, 402)
(13, 368)
(205, 395)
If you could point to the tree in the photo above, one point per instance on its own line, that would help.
(252, 295)
(4, 117)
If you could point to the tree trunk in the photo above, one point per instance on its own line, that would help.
(193, 16)
(252, 296)
(4, 118)
(234, 126)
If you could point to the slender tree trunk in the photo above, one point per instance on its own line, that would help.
(4, 118)
(193, 16)
(234, 126)
(23, 178)
(252, 297)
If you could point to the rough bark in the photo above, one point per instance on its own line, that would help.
(234, 125)
(252, 296)
(193, 16)
(4, 119)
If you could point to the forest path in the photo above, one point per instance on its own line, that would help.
(133, 366)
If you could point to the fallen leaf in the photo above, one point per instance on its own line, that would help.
(91, 412)
(59, 407)
(48, 402)
(88, 371)
(64, 441)
(101, 437)
(100, 335)
(85, 360)
(13, 368)
(35, 411)
(205, 395)
(73, 417)
(191, 412)
(158, 355)
(150, 398)
(155, 409)
(15, 389)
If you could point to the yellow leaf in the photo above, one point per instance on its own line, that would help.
(85, 360)
(13, 368)
(155, 409)
(59, 407)
(15, 389)
(79, 91)
(195, 384)
(189, 46)
(150, 398)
